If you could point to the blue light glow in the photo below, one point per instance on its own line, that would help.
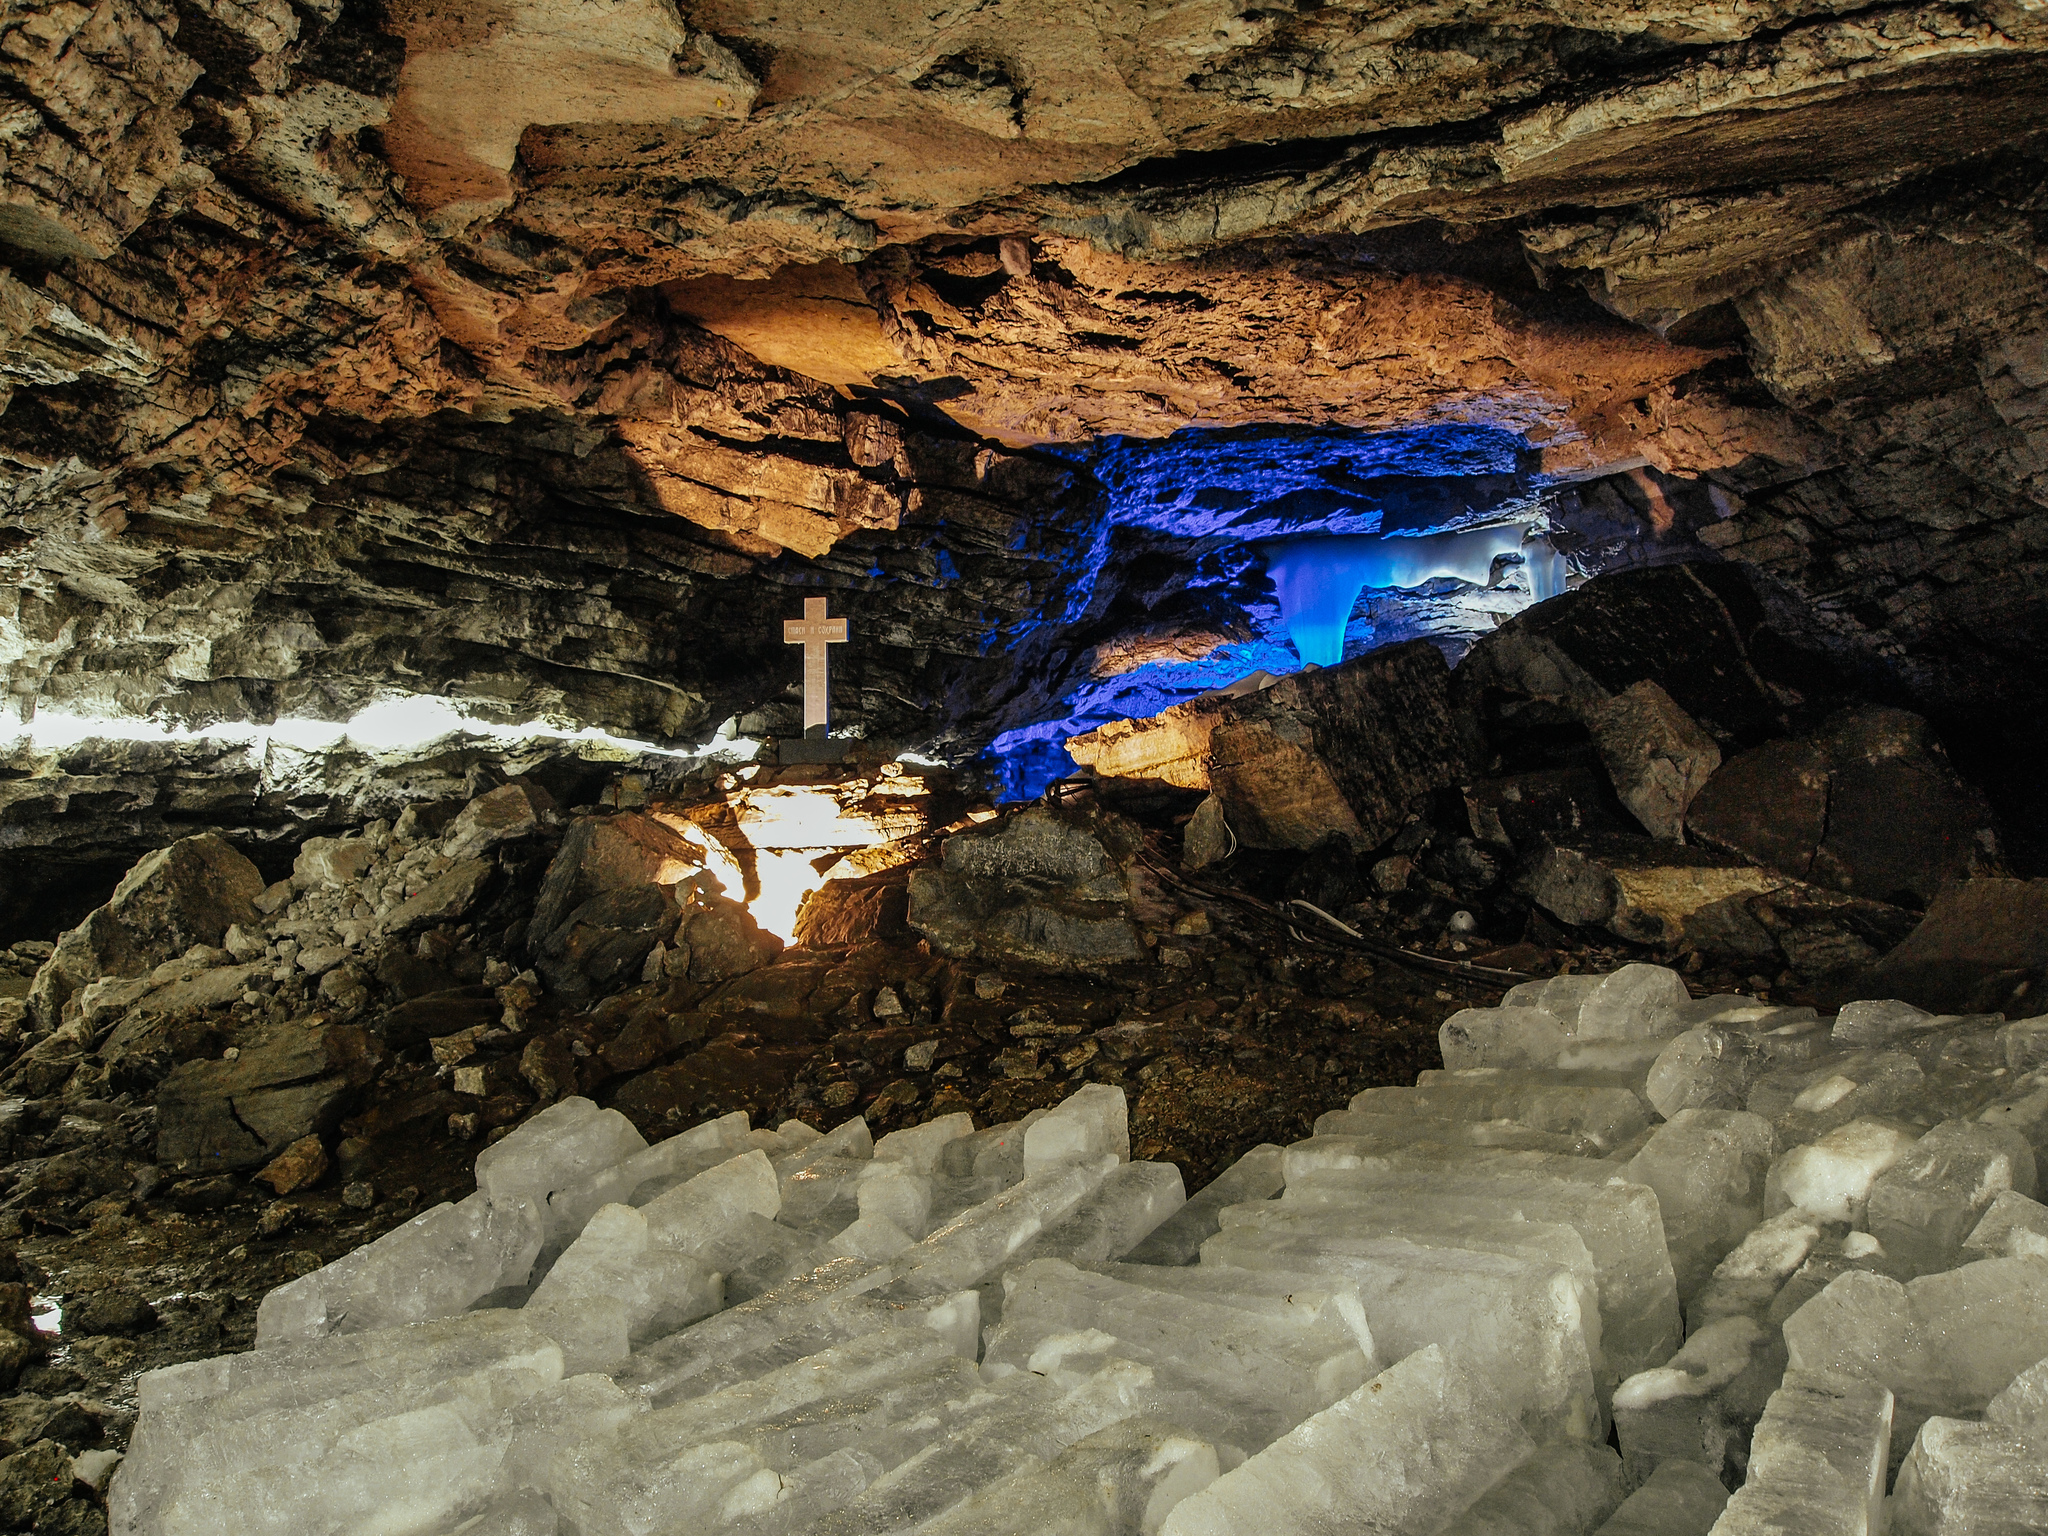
(1318, 580)
(1026, 761)
(1264, 482)
(1225, 552)
(1159, 685)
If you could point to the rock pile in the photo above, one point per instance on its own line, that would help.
(1628, 765)
(206, 1040)
(1793, 1256)
(443, 930)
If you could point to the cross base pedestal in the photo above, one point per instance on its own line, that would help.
(809, 749)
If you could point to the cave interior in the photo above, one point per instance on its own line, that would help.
(1337, 511)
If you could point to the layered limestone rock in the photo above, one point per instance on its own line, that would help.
(351, 351)
(1341, 752)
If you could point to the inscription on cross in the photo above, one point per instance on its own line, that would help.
(814, 632)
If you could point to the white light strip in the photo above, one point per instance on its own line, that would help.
(395, 725)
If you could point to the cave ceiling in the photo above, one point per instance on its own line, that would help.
(541, 353)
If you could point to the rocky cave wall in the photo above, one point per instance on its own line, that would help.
(543, 357)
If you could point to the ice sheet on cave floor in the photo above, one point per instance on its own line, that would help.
(990, 1357)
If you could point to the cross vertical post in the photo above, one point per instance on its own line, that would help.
(814, 632)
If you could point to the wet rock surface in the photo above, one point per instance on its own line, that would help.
(168, 1164)
(350, 352)
(1869, 805)
(326, 384)
(325, 1057)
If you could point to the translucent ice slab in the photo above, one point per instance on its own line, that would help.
(1565, 1488)
(1082, 1128)
(616, 1257)
(563, 1145)
(1017, 1432)
(1428, 1224)
(641, 1177)
(1113, 1218)
(1637, 1002)
(1924, 1205)
(291, 1405)
(1501, 1037)
(1831, 1177)
(1321, 1154)
(920, 1147)
(1302, 1300)
(1127, 1478)
(1704, 1068)
(997, 1152)
(800, 1317)
(852, 1140)
(898, 1193)
(857, 1415)
(1178, 1239)
(690, 1457)
(519, 1514)
(1619, 1221)
(1681, 1498)
(968, 1248)
(1944, 1344)
(855, 1449)
(1707, 1167)
(1515, 1323)
(1963, 1479)
(1561, 996)
(2011, 1227)
(1680, 1411)
(696, 1214)
(823, 1195)
(1271, 1370)
(1395, 1130)
(870, 1237)
(1608, 1116)
(343, 1459)
(1816, 1462)
(1416, 1445)
(756, 1254)
(301, 1371)
(435, 1265)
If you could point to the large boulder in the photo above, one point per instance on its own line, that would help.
(332, 863)
(1699, 632)
(189, 893)
(722, 940)
(443, 899)
(1046, 887)
(1347, 750)
(1869, 804)
(174, 993)
(601, 946)
(1656, 756)
(501, 815)
(1982, 948)
(855, 911)
(446, 1012)
(601, 854)
(1637, 888)
(219, 1115)
(1518, 810)
(1671, 896)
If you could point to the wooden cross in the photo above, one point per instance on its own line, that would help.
(814, 632)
